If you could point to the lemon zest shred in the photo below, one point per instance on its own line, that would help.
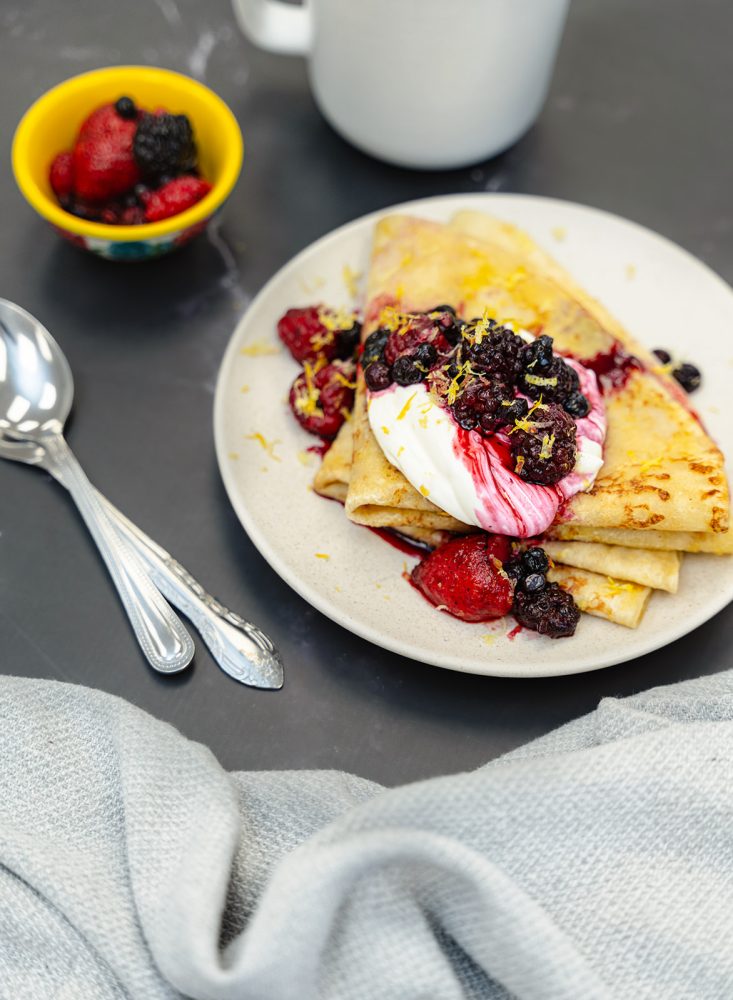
(268, 446)
(548, 443)
(616, 587)
(336, 319)
(342, 380)
(259, 348)
(408, 403)
(425, 491)
(351, 280)
(322, 555)
(385, 429)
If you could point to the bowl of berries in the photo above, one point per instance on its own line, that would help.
(128, 162)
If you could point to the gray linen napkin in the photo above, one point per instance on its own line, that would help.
(596, 862)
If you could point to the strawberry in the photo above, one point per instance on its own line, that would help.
(61, 175)
(104, 166)
(174, 197)
(321, 397)
(465, 577)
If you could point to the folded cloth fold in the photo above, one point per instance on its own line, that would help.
(594, 863)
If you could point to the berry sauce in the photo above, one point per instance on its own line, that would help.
(613, 367)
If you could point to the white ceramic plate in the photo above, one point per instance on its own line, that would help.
(663, 295)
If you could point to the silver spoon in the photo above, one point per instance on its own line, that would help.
(36, 393)
(240, 648)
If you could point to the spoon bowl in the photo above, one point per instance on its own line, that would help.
(36, 384)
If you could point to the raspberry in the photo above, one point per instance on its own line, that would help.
(321, 398)
(550, 611)
(174, 197)
(305, 336)
(104, 166)
(61, 175)
(164, 144)
(545, 451)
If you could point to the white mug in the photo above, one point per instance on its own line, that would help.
(420, 83)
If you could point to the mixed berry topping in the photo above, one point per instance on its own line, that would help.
(475, 579)
(491, 379)
(129, 166)
(544, 607)
(688, 375)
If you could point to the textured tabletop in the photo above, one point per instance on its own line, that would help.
(638, 122)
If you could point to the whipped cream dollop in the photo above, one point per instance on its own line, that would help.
(471, 476)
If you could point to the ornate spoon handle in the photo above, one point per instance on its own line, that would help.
(241, 649)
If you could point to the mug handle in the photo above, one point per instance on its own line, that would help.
(275, 26)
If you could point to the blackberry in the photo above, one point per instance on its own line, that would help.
(499, 353)
(374, 347)
(164, 144)
(545, 452)
(442, 309)
(125, 107)
(577, 405)
(479, 405)
(554, 384)
(405, 371)
(537, 356)
(688, 376)
(348, 340)
(534, 560)
(377, 376)
(664, 356)
(551, 612)
(534, 583)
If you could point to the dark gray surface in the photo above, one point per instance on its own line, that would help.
(638, 122)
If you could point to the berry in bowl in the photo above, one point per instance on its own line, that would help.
(128, 162)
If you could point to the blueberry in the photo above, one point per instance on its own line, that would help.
(534, 583)
(688, 376)
(348, 340)
(125, 108)
(514, 568)
(577, 405)
(664, 356)
(377, 376)
(374, 347)
(425, 355)
(535, 560)
(405, 372)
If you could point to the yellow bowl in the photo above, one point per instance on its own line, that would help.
(52, 123)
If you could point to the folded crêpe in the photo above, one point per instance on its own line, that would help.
(661, 470)
(656, 569)
(617, 601)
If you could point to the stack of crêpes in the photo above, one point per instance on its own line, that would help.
(661, 490)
